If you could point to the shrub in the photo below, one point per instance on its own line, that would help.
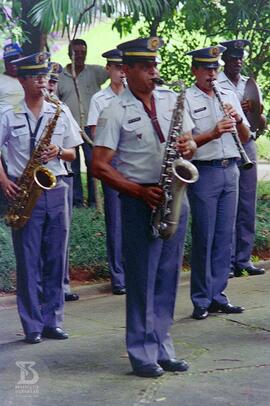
(87, 240)
(7, 259)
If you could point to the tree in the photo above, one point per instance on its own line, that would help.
(36, 39)
(225, 19)
(188, 24)
(71, 15)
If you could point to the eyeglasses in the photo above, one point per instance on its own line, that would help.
(38, 78)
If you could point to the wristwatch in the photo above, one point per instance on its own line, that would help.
(60, 152)
(239, 121)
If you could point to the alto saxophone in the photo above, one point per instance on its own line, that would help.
(35, 177)
(176, 173)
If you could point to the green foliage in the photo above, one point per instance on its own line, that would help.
(263, 147)
(198, 23)
(124, 24)
(10, 21)
(221, 20)
(69, 15)
(262, 240)
(87, 239)
(7, 260)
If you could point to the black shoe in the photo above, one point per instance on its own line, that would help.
(224, 308)
(149, 371)
(250, 270)
(54, 332)
(119, 291)
(71, 297)
(33, 338)
(199, 313)
(174, 365)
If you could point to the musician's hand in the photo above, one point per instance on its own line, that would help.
(223, 126)
(186, 146)
(152, 195)
(50, 153)
(9, 188)
(230, 110)
(246, 106)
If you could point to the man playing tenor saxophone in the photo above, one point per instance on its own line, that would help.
(134, 128)
(38, 131)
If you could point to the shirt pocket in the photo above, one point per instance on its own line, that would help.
(202, 119)
(134, 134)
(20, 138)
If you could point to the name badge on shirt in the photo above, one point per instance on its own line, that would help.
(199, 110)
(17, 127)
(133, 120)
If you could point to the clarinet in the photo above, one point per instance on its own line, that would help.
(246, 162)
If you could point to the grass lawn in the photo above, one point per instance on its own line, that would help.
(99, 39)
(263, 147)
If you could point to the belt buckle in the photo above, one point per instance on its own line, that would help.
(225, 163)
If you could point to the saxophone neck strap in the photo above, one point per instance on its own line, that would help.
(33, 135)
(152, 114)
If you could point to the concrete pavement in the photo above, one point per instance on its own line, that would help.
(229, 355)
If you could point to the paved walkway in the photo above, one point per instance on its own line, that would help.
(264, 170)
(229, 355)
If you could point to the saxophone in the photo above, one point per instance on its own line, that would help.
(176, 173)
(35, 177)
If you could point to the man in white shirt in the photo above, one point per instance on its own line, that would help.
(232, 79)
(99, 101)
(134, 128)
(11, 91)
(89, 79)
(40, 241)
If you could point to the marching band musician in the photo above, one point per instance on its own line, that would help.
(213, 197)
(11, 93)
(231, 79)
(135, 127)
(100, 100)
(39, 245)
(55, 70)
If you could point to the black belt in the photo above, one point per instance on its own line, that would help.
(148, 184)
(221, 163)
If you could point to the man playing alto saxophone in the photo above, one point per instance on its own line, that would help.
(213, 198)
(134, 128)
(40, 244)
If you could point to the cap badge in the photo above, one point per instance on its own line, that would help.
(214, 52)
(40, 58)
(54, 68)
(153, 43)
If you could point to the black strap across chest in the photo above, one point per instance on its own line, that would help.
(33, 134)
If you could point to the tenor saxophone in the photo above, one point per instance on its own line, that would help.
(34, 179)
(176, 173)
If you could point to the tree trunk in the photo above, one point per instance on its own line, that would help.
(36, 39)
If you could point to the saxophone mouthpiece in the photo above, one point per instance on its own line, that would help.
(158, 81)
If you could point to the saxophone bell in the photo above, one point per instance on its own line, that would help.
(176, 173)
(44, 178)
